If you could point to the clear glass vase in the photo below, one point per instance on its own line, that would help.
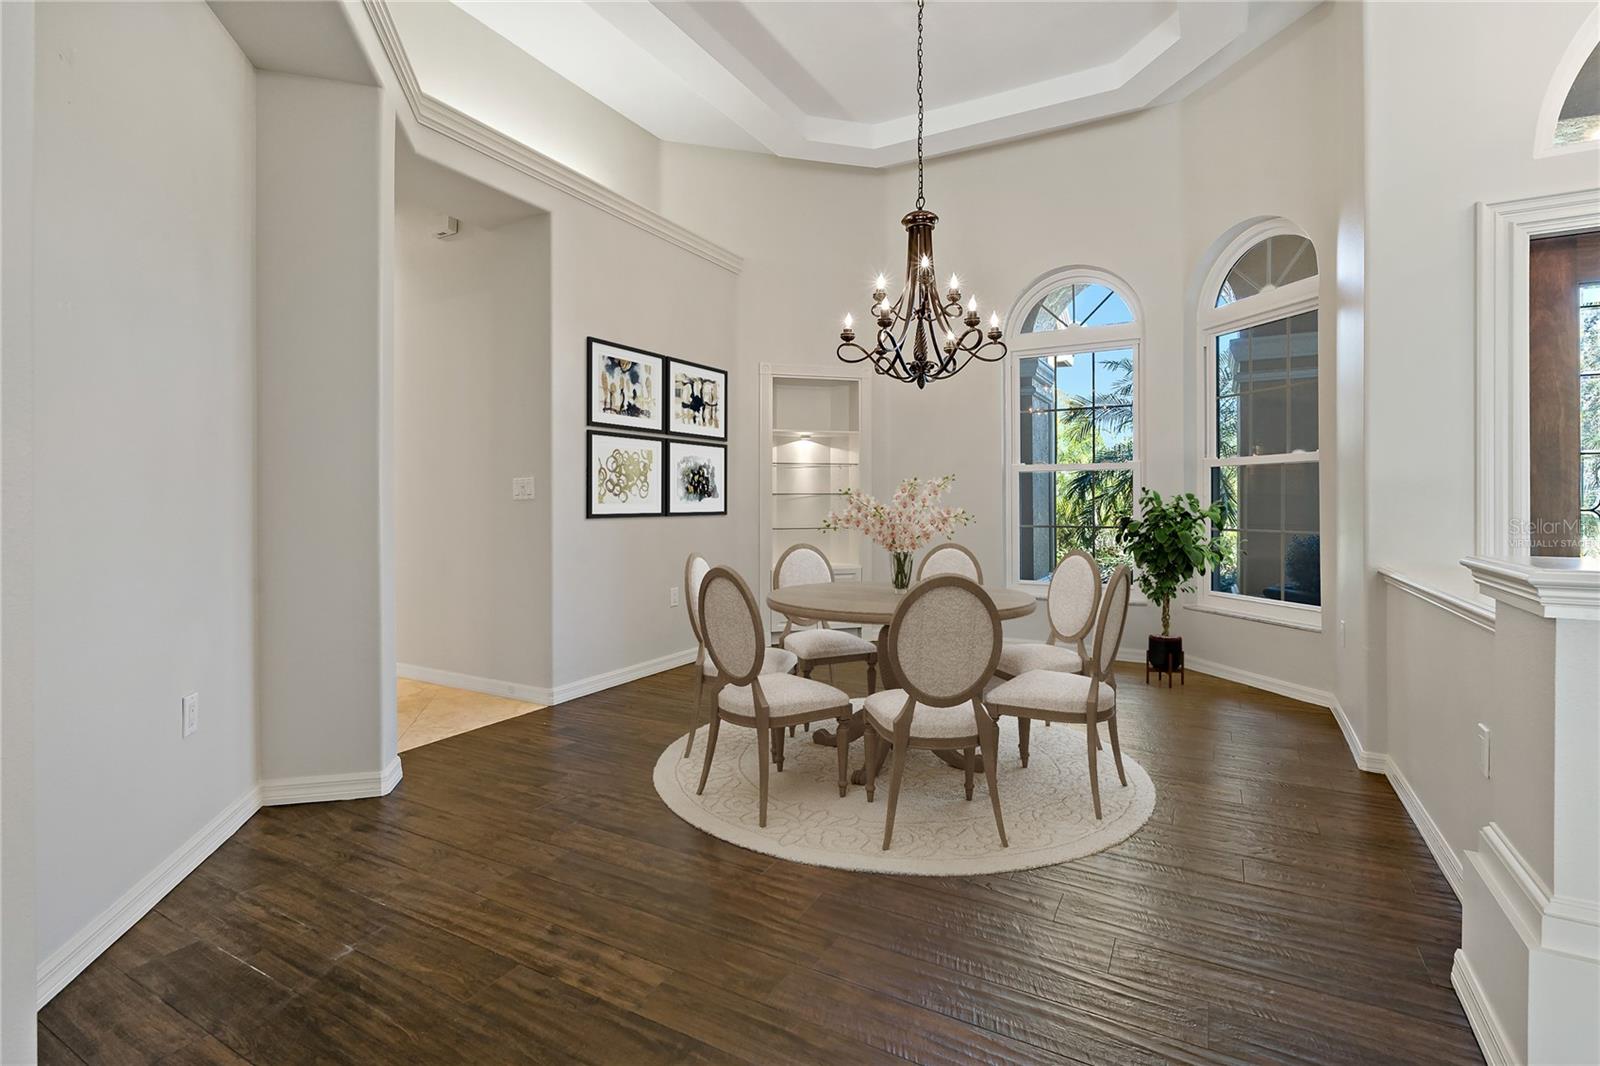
(902, 570)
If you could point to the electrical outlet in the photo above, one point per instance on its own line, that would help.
(1483, 748)
(672, 596)
(191, 713)
(522, 488)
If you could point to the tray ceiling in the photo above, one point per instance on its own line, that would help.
(834, 82)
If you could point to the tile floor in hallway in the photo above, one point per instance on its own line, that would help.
(429, 712)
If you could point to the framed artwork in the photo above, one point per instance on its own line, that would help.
(696, 400)
(625, 475)
(626, 387)
(697, 478)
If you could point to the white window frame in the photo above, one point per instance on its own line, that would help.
(1069, 341)
(1269, 305)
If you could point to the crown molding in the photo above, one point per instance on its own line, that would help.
(440, 117)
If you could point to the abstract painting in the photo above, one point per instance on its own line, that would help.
(625, 386)
(697, 478)
(696, 400)
(625, 475)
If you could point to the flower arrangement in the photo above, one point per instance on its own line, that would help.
(911, 519)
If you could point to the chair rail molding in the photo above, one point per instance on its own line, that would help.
(1504, 230)
(1473, 613)
(432, 113)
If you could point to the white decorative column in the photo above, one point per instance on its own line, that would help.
(1528, 971)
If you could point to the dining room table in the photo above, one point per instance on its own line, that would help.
(873, 603)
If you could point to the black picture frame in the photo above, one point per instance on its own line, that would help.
(588, 480)
(671, 403)
(623, 423)
(669, 471)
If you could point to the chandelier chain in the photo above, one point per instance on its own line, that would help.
(923, 335)
(921, 200)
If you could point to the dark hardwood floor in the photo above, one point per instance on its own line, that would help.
(524, 897)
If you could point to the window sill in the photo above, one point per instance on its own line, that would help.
(1310, 623)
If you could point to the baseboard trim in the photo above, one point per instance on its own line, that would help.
(73, 957)
(489, 686)
(612, 678)
(322, 788)
(1446, 857)
(1491, 1035)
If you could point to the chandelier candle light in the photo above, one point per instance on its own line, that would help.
(910, 520)
(921, 336)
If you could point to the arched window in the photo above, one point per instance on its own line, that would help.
(1260, 455)
(1072, 439)
(1579, 117)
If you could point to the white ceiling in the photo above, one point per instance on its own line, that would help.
(835, 82)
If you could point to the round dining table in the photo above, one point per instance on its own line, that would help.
(874, 603)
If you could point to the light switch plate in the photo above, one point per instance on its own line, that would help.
(522, 488)
(191, 713)
(1483, 748)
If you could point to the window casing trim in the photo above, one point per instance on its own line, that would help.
(1270, 305)
(1070, 341)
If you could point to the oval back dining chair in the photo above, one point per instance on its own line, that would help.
(1070, 608)
(805, 564)
(950, 558)
(766, 703)
(944, 642)
(1089, 699)
(774, 660)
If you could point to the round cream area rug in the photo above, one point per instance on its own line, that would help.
(1048, 810)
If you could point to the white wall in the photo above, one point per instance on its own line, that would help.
(324, 230)
(143, 443)
(472, 368)
(18, 985)
(1442, 136)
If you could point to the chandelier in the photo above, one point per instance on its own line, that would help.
(922, 336)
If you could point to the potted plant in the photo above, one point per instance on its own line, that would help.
(909, 521)
(1170, 546)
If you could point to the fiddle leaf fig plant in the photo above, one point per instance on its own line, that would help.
(1169, 546)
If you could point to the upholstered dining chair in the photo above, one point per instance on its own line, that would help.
(766, 703)
(1089, 699)
(950, 558)
(805, 564)
(1070, 604)
(774, 660)
(944, 642)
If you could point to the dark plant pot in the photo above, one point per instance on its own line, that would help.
(1165, 656)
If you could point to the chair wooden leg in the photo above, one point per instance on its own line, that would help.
(694, 712)
(1116, 748)
(763, 741)
(894, 792)
(967, 758)
(841, 744)
(1024, 723)
(777, 747)
(1094, 772)
(711, 749)
(872, 675)
(869, 737)
(990, 746)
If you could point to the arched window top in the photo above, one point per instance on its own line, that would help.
(1579, 119)
(1270, 263)
(1081, 302)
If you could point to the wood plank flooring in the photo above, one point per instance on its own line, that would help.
(524, 897)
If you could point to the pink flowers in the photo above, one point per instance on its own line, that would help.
(911, 519)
